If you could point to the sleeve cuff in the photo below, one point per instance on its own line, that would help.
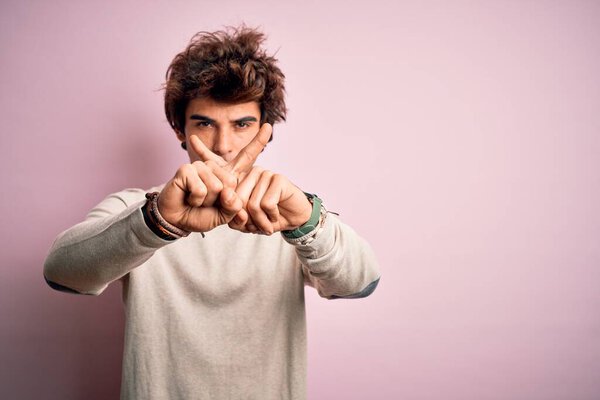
(322, 244)
(142, 231)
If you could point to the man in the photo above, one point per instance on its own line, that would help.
(214, 299)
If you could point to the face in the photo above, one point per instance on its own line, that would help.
(224, 128)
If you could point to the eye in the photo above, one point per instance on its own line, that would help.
(203, 124)
(243, 124)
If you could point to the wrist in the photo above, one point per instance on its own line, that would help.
(157, 223)
(307, 212)
(153, 226)
(306, 233)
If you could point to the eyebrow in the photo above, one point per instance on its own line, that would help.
(245, 119)
(199, 117)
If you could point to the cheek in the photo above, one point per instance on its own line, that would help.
(244, 140)
(206, 138)
(248, 136)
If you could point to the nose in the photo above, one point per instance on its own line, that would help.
(223, 143)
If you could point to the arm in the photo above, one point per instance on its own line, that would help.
(339, 263)
(114, 238)
(110, 242)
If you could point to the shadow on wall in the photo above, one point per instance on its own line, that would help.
(139, 157)
(61, 346)
(65, 346)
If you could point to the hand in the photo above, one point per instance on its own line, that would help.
(272, 202)
(202, 194)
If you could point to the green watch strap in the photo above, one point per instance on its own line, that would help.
(312, 222)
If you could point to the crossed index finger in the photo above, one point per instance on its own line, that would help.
(204, 152)
(246, 157)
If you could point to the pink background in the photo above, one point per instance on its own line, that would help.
(461, 139)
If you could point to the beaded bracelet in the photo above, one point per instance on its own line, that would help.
(159, 222)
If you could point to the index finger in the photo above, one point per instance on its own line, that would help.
(204, 152)
(246, 157)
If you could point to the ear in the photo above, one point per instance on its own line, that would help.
(180, 136)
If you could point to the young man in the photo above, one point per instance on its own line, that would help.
(214, 299)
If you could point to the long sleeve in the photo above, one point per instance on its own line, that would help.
(110, 242)
(339, 263)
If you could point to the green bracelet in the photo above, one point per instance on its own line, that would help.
(312, 222)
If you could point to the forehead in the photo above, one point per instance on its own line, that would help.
(221, 111)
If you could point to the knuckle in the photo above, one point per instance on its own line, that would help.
(199, 192)
(184, 169)
(229, 180)
(254, 206)
(192, 169)
(228, 201)
(268, 205)
(278, 178)
(214, 185)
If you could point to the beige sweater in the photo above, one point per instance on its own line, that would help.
(220, 317)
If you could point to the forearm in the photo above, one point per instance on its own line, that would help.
(339, 263)
(100, 250)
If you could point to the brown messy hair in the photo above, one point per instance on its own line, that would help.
(227, 66)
